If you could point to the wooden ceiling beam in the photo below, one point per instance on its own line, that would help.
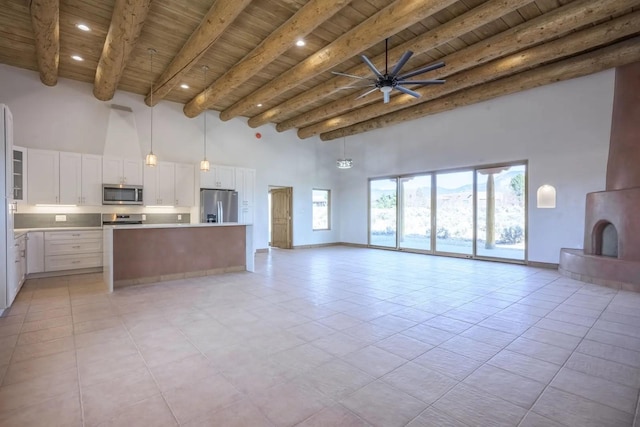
(469, 21)
(530, 33)
(569, 45)
(393, 18)
(306, 19)
(215, 22)
(616, 55)
(126, 24)
(45, 20)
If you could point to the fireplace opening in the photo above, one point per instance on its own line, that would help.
(605, 239)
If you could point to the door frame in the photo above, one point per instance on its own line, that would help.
(290, 221)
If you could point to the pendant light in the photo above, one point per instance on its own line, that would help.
(344, 163)
(151, 160)
(204, 164)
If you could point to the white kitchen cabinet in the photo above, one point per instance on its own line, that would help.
(35, 251)
(185, 184)
(19, 175)
(245, 185)
(20, 268)
(91, 191)
(159, 185)
(116, 170)
(43, 177)
(223, 177)
(70, 178)
(71, 250)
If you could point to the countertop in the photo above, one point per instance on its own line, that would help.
(16, 231)
(137, 226)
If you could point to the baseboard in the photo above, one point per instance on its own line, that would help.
(353, 245)
(548, 265)
(262, 251)
(64, 273)
(317, 245)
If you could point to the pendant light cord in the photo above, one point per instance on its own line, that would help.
(151, 52)
(205, 68)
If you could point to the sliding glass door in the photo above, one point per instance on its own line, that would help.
(383, 200)
(454, 212)
(500, 216)
(477, 213)
(415, 212)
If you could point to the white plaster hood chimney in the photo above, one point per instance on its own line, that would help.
(122, 138)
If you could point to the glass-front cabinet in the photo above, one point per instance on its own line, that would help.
(19, 174)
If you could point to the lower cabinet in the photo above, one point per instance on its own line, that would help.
(19, 268)
(35, 249)
(71, 250)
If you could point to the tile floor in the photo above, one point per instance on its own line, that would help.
(335, 336)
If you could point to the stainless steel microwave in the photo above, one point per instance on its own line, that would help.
(120, 194)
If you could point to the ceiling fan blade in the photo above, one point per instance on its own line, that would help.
(357, 86)
(367, 93)
(387, 96)
(371, 66)
(422, 70)
(421, 82)
(403, 60)
(407, 91)
(337, 73)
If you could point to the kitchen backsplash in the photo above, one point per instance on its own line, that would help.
(48, 220)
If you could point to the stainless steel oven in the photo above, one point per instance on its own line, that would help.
(119, 194)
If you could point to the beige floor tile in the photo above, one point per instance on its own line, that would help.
(150, 412)
(534, 420)
(432, 418)
(448, 324)
(311, 331)
(242, 413)
(610, 352)
(475, 407)
(451, 364)
(7, 345)
(194, 400)
(420, 382)
(539, 350)
(612, 371)
(289, 403)
(506, 385)
(374, 361)
(382, 405)
(11, 329)
(30, 351)
(526, 366)
(404, 346)
(61, 411)
(368, 332)
(37, 390)
(48, 315)
(470, 348)
(339, 321)
(336, 379)
(563, 327)
(302, 357)
(45, 335)
(12, 319)
(97, 325)
(597, 389)
(104, 369)
(559, 339)
(336, 415)
(161, 349)
(37, 325)
(183, 372)
(612, 338)
(102, 400)
(428, 334)
(34, 368)
(489, 336)
(571, 410)
(339, 344)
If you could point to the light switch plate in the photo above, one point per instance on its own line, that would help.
(144, 217)
(60, 218)
(179, 217)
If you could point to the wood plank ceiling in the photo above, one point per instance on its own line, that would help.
(491, 48)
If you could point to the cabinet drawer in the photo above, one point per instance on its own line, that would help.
(60, 247)
(72, 262)
(73, 235)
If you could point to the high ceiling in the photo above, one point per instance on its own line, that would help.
(491, 48)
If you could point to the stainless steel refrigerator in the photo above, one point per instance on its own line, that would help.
(218, 205)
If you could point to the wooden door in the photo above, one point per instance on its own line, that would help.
(281, 208)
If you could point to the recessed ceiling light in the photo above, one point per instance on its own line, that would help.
(83, 27)
(77, 58)
(259, 105)
(300, 43)
(184, 86)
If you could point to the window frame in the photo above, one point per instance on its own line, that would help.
(328, 208)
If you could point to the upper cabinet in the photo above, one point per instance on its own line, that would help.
(43, 177)
(223, 177)
(64, 178)
(116, 170)
(19, 174)
(185, 184)
(169, 184)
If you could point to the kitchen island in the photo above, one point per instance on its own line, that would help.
(147, 253)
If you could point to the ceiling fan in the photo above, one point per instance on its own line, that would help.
(388, 81)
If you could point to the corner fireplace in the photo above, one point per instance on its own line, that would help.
(611, 254)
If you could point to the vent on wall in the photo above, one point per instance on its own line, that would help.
(122, 139)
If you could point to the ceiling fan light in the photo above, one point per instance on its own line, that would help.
(385, 89)
(344, 163)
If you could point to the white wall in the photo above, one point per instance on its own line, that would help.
(67, 117)
(561, 129)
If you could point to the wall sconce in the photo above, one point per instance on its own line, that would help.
(546, 196)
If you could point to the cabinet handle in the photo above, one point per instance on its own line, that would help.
(76, 235)
(75, 262)
(76, 247)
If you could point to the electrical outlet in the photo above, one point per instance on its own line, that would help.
(60, 218)
(144, 217)
(179, 217)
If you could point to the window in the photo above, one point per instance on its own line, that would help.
(321, 205)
